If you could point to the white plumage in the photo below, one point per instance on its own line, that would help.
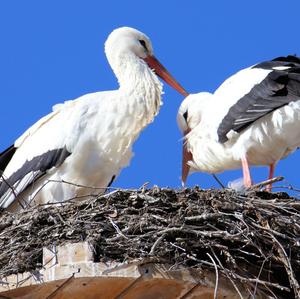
(87, 141)
(253, 118)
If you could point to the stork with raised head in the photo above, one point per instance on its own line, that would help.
(84, 143)
(253, 118)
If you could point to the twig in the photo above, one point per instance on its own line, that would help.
(258, 276)
(217, 275)
(228, 276)
(288, 267)
(204, 216)
(210, 234)
(12, 190)
(117, 228)
(156, 243)
(267, 182)
(218, 181)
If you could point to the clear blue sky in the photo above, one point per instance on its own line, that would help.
(52, 51)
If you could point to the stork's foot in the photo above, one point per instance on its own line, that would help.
(247, 182)
(269, 188)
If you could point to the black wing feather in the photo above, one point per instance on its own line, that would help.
(6, 156)
(38, 166)
(279, 88)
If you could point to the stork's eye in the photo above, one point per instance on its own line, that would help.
(143, 43)
(185, 115)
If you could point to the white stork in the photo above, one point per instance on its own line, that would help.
(253, 118)
(87, 141)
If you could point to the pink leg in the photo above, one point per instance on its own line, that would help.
(271, 171)
(246, 173)
(271, 175)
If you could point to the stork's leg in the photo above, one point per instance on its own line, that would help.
(246, 173)
(271, 175)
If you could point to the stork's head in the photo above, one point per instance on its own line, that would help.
(128, 44)
(126, 40)
(189, 116)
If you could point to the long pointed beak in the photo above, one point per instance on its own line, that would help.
(162, 72)
(186, 157)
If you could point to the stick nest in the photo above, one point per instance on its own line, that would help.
(251, 238)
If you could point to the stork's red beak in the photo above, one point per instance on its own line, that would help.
(161, 71)
(186, 157)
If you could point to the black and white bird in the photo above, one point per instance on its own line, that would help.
(253, 118)
(87, 141)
